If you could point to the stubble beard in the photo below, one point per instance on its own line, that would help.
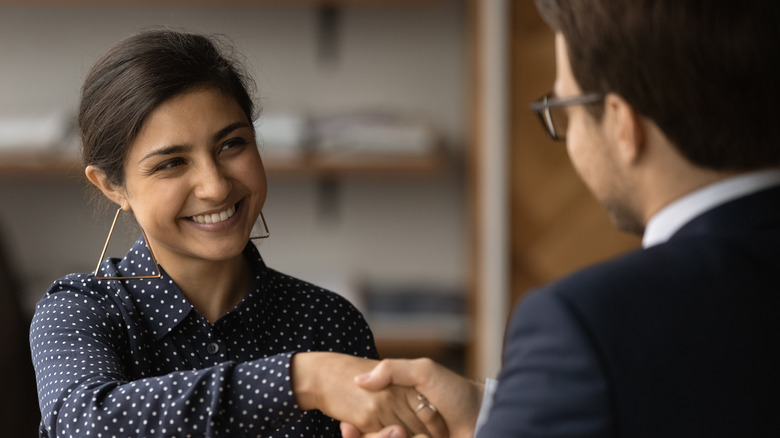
(624, 217)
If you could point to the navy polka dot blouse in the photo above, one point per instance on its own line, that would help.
(133, 358)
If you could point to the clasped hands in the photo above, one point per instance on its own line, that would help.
(393, 398)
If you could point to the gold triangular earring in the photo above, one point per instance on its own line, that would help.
(103, 254)
(265, 225)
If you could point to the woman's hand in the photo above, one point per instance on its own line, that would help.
(326, 381)
(457, 399)
(349, 431)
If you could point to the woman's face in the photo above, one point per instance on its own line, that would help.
(194, 178)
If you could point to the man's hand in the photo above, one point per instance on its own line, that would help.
(457, 399)
(395, 431)
(326, 381)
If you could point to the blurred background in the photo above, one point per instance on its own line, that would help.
(405, 170)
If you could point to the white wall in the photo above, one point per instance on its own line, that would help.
(407, 56)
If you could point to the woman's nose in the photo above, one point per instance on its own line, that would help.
(212, 183)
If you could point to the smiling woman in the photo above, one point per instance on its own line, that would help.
(191, 334)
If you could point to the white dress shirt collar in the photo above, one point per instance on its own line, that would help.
(672, 217)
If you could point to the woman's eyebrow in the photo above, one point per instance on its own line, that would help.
(177, 149)
(228, 129)
(167, 150)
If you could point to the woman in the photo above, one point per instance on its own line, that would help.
(190, 334)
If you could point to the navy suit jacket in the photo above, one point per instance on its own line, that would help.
(681, 339)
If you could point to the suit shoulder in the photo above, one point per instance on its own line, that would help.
(674, 263)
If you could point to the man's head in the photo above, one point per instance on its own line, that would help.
(678, 94)
(602, 150)
(705, 72)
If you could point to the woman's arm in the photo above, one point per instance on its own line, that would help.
(77, 351)
(81, 352)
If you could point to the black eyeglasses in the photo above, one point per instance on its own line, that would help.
(550, 111)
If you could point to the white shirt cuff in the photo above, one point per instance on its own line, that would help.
(487, 403)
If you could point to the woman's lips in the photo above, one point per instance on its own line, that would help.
(215, 217)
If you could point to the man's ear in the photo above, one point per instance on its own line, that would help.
(626, 128)
(115, 193)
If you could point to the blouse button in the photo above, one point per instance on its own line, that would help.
(212, 348)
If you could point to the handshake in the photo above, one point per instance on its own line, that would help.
(393, 398)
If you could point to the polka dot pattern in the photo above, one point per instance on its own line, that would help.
(134, 358)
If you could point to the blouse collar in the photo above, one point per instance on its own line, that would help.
(160, 302)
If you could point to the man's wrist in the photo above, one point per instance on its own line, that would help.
(488, 390)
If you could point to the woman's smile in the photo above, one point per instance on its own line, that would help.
(214, 218)
(221, 220)
(196, 183)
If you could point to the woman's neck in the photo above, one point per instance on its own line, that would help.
(214, 288)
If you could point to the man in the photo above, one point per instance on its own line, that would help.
(672, 108)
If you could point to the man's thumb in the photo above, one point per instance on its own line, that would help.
(378, 378)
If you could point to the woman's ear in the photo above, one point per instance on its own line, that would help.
(626, 128)
(117, 194)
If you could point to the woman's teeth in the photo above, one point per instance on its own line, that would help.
(215, 217)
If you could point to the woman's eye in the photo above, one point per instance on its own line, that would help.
(169, 164)
(232, 143)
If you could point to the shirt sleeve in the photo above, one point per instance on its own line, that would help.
(83, 387)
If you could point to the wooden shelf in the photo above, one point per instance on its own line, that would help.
(317, 165)
(18, 166)
(356, 165)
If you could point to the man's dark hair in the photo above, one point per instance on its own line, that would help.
(705, 71)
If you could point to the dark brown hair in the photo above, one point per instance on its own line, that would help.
(140, 73)
(705, 71)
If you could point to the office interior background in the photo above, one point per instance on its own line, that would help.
(404, 169)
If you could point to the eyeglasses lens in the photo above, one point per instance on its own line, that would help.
(557, 122)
